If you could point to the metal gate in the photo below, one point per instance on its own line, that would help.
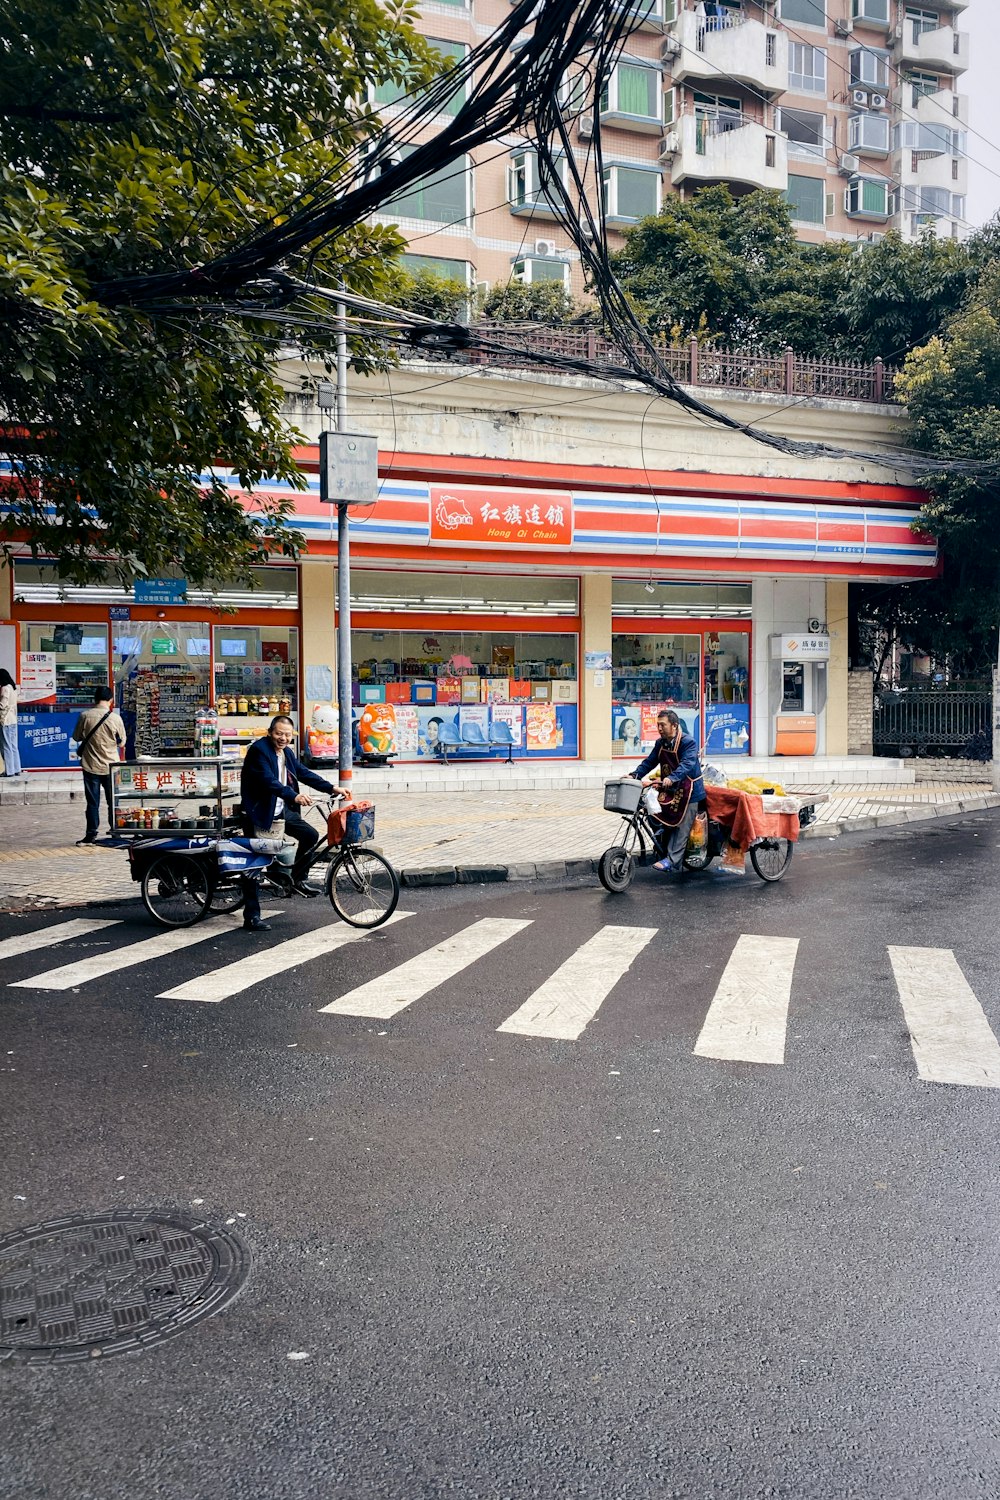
(929, 719)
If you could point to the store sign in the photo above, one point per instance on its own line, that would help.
(800, 648)
(474, 517)
(160, 591)
(163, 646)
(120, 612)
(38, 677)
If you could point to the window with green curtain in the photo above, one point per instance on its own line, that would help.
(805, 197)
(438, 265)
(636, 193)
(637, 90)
(393, 93)
(812, 12)
(441, 197)
(873, 197)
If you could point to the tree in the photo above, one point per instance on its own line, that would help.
(532, 302)
(950, 387)
(147, 135)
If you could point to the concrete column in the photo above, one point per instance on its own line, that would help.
(6, 590)
(319, 636)
(595, 686)
(837, 709)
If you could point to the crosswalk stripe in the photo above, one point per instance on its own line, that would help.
(572, 996)
(951, 1038)
(61, 932)
(232, 979)
(747, 1018)
(100, 965)
(384, 997)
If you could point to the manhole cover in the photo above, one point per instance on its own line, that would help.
(79, 1288)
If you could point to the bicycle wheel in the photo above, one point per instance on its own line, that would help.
(615, 869)
(226, 896)
(363, 887)
(175, 890)
(771, 857)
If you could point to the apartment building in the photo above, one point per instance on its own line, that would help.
(851, 108)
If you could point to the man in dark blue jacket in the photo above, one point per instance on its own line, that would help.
(676, 755)
(269, 789)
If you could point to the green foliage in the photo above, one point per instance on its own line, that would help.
(951, 387)
(731, 271)
(141, 136)
(431, 295)
(534, 302)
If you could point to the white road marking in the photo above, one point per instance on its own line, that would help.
(265, 963)
(573, 995)
(101, 965)
(747, 1018)
(951, 1038)
(384, 997)
(61, 932)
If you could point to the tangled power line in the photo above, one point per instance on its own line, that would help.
(533, 76)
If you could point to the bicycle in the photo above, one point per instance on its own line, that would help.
(183, 880)
(642, 840)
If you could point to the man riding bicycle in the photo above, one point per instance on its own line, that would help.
(680, 787)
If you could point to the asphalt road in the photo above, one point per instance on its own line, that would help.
(517, 1266)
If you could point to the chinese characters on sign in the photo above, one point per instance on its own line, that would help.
(470, 517)
(38, 677)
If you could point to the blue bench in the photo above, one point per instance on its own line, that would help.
(472, 744)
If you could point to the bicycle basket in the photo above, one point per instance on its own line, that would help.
(351, 823)
(622, 796)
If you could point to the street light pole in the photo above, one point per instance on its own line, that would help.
(344, 685)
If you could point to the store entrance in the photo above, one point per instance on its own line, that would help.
(702, 673)
(162, 677)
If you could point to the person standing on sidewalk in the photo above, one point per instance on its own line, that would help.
(98, 733)
(8, 724)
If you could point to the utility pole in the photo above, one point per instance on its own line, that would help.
(348, 475)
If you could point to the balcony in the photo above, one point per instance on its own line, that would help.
(939, 109)
(933, 172)
(737, 51)
(943, 50)
(728, 149)
(645, 15)
(871, 13)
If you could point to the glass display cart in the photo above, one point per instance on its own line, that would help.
(174, 796)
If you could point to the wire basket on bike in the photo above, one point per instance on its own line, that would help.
(351, 823)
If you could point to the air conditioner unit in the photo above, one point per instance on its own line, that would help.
(878, 101)
(843, 28)
(545, 248)
(860, 96)
(586, 127)
(670, 145)
(670, 47)
(849, 164)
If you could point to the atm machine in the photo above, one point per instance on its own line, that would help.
(797, 692)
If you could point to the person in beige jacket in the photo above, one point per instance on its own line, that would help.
(8, 725)
(98, 733)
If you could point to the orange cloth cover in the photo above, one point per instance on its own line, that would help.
(742, 813)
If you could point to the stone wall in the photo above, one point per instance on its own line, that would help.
(860, 713)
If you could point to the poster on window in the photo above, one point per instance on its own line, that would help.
(449, 690)
(429, 722)
(38, 677)
(474, 724)
(542, 726)
(511, 714)
(407, 730)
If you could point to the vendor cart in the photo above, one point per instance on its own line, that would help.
(731, 826)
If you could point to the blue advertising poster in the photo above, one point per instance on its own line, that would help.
(44, 740)
(727, 729)
(160, 591)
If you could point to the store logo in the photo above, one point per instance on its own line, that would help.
(451, 513)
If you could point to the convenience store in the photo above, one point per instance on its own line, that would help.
(566, 604)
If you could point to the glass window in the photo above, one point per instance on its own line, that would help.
(257, 661)
(451, 270)
(442, 197)
(811, 12)
(806, 68)
(630, 192)
(78, 656)
(869, 132)
(922, 84)
(650, 672)
(870, 68)
(273, 588)
(727, 691)
(394, 93)
(535, 269)
(872, 10)
(633, 90)
(806, 197)
(162, 676)
(656, 597)
(806, 132)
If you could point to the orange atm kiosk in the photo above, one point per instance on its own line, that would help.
(798, 692)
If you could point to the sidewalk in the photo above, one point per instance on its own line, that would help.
(442, 836)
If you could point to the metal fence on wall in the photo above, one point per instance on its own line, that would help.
(929, 719)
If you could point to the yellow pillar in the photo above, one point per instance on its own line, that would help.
(6, 590)
(837, 739)
(319, 636)
(595, 682)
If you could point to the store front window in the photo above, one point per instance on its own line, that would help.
(671, 648)
(162, 677)
(61, 664)
(256, 672)
(408, 684)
